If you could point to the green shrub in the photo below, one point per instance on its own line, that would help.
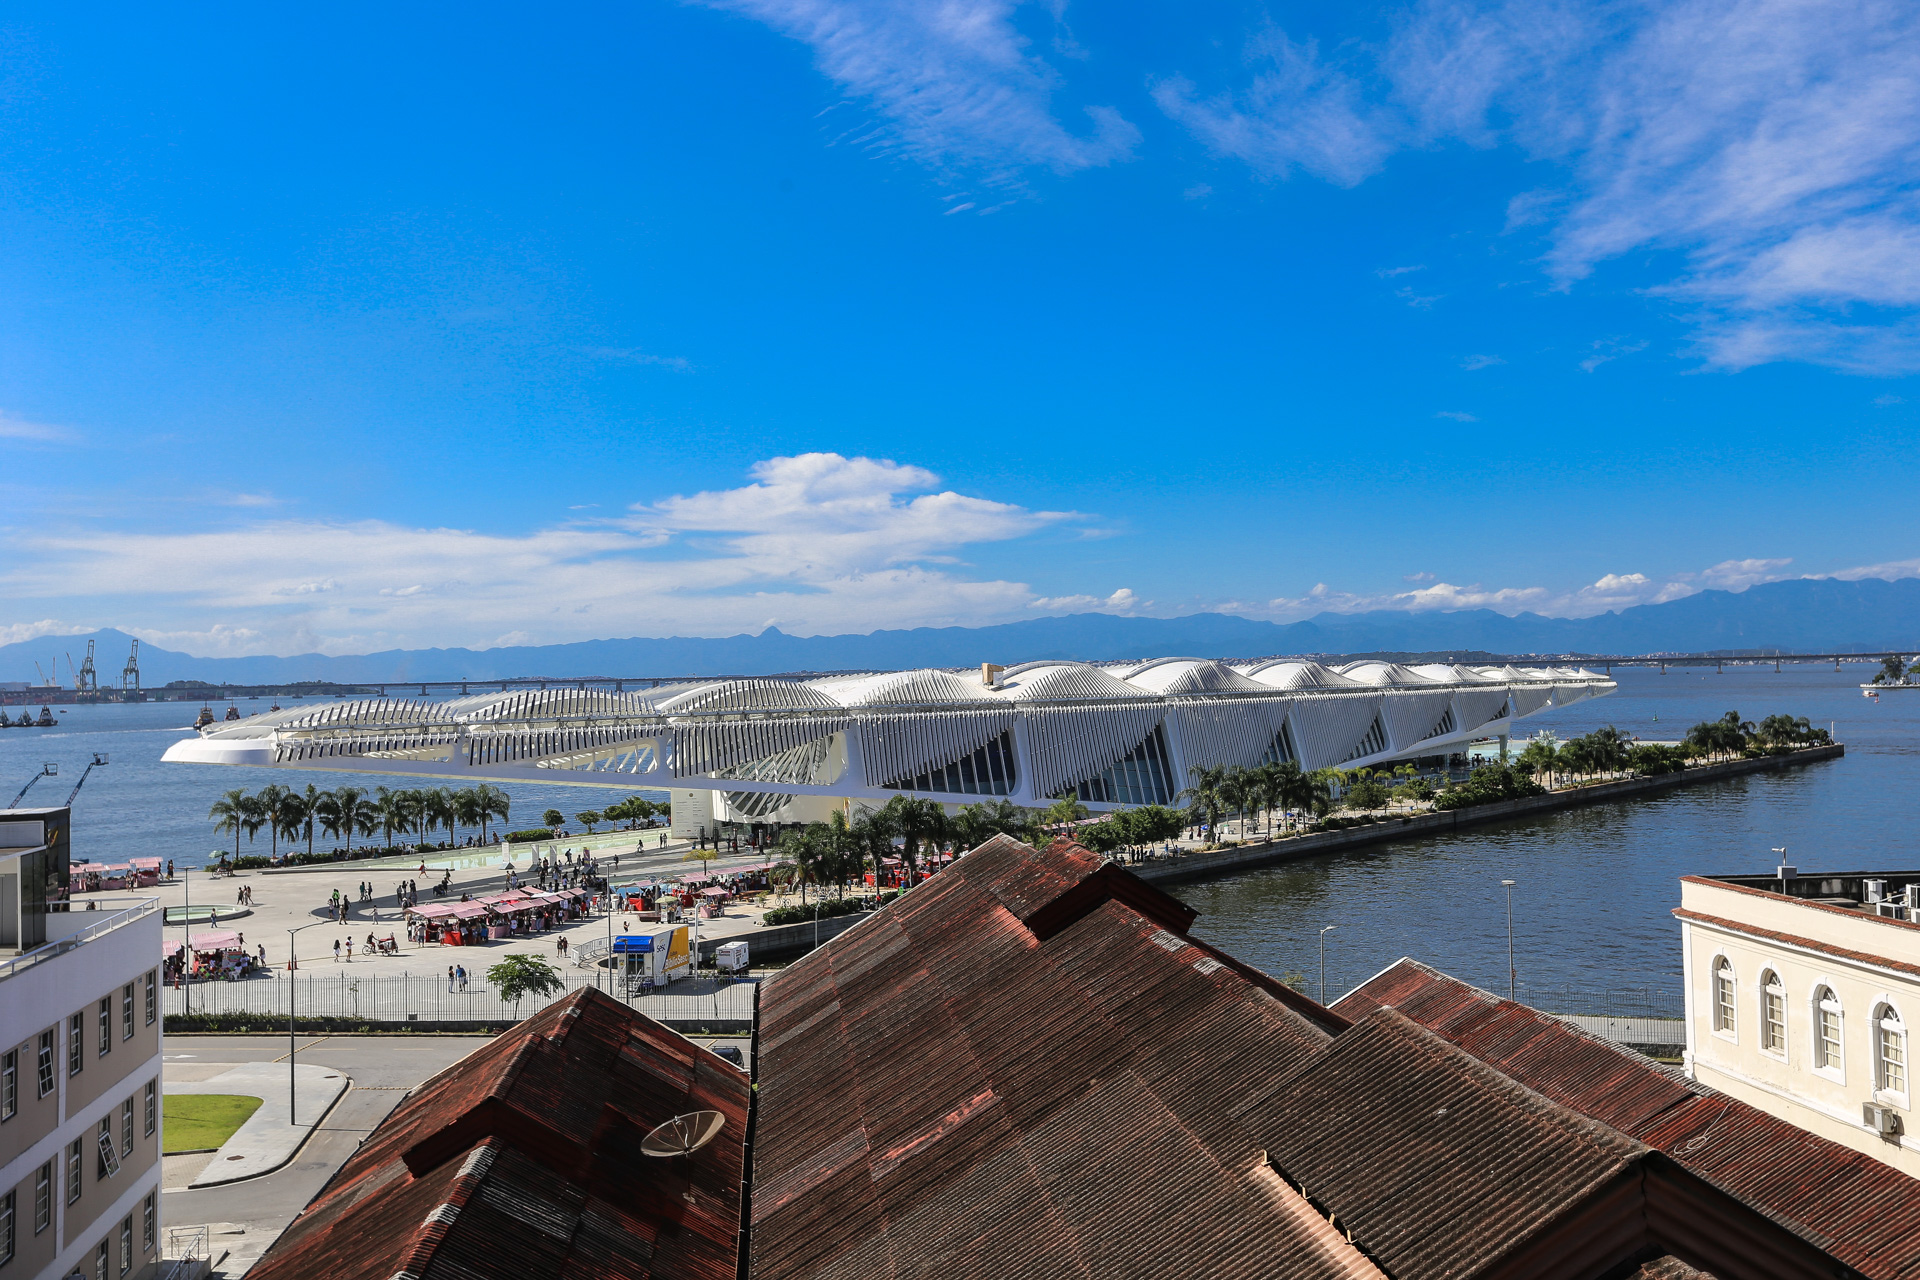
(251, 862)
(815, 911)
(531, 834)
(1490, 785)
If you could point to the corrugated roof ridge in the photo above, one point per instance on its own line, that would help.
(433, 1230)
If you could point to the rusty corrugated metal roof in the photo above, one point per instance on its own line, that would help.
(521, 1162)
(1863, 1212)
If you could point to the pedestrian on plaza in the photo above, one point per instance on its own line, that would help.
(349, 950)
(336, 951)
(263, 955)
(462, 971)
(449, 977)
(169, 868)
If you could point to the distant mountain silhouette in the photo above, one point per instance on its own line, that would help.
(1809, 615)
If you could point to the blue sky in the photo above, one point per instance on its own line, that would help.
(466, 325)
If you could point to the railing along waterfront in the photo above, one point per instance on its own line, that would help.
(105, 924)
(395, 998)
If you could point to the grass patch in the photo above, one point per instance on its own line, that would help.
(202, 1121)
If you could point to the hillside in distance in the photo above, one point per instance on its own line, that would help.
(1807, 615)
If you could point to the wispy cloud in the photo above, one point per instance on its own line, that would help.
(13, 428)
(1456, 415)
(954, 84)
(14, 633)
(1767, 144)
(633, 355)
(1605, 349)
(1122, 601)
(814, 543)
(1475, 363)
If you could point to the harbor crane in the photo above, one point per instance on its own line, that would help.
(47, 770)
(130, 674)
(99, 758)
(85, 680)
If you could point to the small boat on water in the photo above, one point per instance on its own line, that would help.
(233, 713)
(46, 720)
(204, 719)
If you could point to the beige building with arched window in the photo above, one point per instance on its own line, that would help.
(1800, 992)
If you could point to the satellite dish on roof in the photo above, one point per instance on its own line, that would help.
(683, 1135)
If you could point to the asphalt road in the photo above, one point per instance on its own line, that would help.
(380, 1068)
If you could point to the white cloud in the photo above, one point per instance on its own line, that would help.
(1121, 601)
(633, 355)
(1605, 349)
(955, 84)
(1890, 570)
(1417, 577)
(1888, 399)
(1456, 415)
(14, 633)
(817, 543)
(12, 428)
(1738, 575)
(1475, 363)
(1767, 144)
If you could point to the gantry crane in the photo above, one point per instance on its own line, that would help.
(130, 674)
(85, 680)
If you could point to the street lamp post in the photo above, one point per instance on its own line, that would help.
(1513, 984)
(1323, 960)
(292, 965)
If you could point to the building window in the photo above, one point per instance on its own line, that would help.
(126, 1128)
(10, 1085)
(153, 998)
(109, 1164)
(76, 1043)
(126, 1012)
(1773, 1013)
(43, 1198)
(106, 1025)
(73, 1171)
(1889, 1050)
(6, 1229)
(153, 1106)
(1723, 997)
(147, 1223)
(126, 1245)
(46, 1062)
(1826, 1021)
(100, 1262)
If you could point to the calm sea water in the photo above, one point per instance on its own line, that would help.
(138, 807)
(1595, 888)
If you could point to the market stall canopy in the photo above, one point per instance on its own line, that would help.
(431, 909)
(715, 893)
(469, 911)
(217, 940)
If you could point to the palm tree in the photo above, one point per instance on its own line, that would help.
(1205, 794)
(392, 812)
(913, 821)
(467, 808)
(230, 814)
(270, 799)
(1280, 783)
(439, 809)
(253, 816)
(1538, 759)
(341, 813)
(289, 815)
(494, 803)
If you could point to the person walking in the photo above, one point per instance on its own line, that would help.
(463, 978)
(336, 951)
(449, 978)
(349, 950)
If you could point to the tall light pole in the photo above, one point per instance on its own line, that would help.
(292, 965)
(1513, 984)
(1323, 960)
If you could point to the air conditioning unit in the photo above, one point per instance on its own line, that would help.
(1876, 890)
(1883, 1120)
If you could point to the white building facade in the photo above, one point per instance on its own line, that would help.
(778, 750)
(80, 1033)
(1800, 993)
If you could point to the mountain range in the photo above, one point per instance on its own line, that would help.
(1805, 615)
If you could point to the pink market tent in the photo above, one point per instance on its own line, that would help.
(145, 864)
(469, 911)
(430, 910)
(715, 893)
(169, 950)
(218, 940)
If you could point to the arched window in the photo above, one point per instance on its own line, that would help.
(1723, 1010)
(1773, 1013)
(1826, 1029)
(1889, 1050)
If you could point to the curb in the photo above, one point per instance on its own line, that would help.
(297, 1147)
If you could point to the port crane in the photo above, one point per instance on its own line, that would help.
(85, 679)
(130, 674)
(47, 770)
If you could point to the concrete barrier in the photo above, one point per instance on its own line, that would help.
(1225, 862)
(782, 941)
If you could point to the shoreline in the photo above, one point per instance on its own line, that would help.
(1189, 868)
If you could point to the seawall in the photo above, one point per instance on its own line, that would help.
(1225, 862)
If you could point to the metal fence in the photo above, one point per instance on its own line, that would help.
(1609, 1002)
(425, 997)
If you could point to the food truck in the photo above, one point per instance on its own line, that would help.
(731, 957)
(658, 956)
